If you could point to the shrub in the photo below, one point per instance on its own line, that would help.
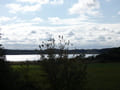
(63, 73)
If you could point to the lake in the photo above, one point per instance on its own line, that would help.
(35, 57)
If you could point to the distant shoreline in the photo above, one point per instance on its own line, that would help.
(57, 51)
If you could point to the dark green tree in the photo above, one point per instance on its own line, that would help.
(111, 55)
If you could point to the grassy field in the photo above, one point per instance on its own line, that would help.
(32, 74)
(104, 76)
(101, 76)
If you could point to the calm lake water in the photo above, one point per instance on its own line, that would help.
(35, 57)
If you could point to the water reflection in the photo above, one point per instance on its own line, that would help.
(35, 57)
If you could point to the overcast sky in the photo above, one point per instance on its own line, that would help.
(86, 23)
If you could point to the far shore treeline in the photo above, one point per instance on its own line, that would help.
(73, 51)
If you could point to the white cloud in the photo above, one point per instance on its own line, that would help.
(55, 2)
(67, 21)
(85, 35)
(30, 5)
(54, 20)
(6, 19)
(37, 19)
(83, 7)
(119, 13)
(14, 8)
(79, 30)
(108, 0)
(34, 1)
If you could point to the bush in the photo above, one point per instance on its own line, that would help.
(63, 73)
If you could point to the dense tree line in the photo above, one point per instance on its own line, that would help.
(112, 55)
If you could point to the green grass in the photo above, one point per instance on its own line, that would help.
(101, 76)
(104, 76)
(33, 74)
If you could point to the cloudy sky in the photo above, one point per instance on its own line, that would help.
(86, 23)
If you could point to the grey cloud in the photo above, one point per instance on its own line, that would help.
(21, 46)
(92, 4)
(93, 46)
(109, 38)
(48, 35)
(118, 32)
(70, 34)
(105, 29)
(91, 40)
(79, 38)
(102, 38)
(6, 38)
(94, 28)
(33, 32)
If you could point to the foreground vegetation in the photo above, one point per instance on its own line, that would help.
(52, 74)
(101, 76)
(61, 73)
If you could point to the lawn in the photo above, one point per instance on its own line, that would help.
(101, 76)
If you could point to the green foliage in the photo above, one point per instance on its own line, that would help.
(112, 55)
(63, 73)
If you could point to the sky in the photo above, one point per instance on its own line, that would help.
(88, 24)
